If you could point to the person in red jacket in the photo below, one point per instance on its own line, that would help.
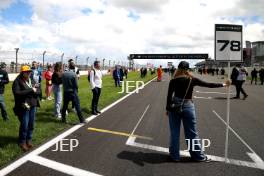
(48, 77)
(159, 73)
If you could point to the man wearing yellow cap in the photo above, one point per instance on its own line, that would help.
(26, 101)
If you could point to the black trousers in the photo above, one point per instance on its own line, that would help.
(96, 96)
(239, 88)
(254, 78)
(73, 97)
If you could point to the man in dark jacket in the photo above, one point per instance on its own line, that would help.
(254, 75)
(70, 89)
(26, 95)
(261, 75)
(3, 80)
(117, 76)
(234, 75)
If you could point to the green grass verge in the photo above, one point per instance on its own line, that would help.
(47, 126)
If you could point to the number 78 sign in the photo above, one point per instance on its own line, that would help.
(228, 42)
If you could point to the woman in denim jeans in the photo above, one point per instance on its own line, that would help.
(180, 91)
(26, 94)
(57, 85)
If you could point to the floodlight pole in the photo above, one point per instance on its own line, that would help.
(43, 58)
(76, 57)
(103, 63)
(16, 58)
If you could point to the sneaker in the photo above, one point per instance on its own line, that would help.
(23, 147)
(99, 112)
(245, 97)
(170, 159)
(94, 113)
(236, 98)
(206, 160)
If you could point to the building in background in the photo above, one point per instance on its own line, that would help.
(257, 52)
(247, 54)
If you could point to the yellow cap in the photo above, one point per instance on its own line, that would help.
(25, 68)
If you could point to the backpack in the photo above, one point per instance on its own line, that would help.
(89, 74)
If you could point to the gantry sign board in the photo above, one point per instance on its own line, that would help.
(228, 42)
(168, 56)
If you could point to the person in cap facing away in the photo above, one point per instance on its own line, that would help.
(26, 101)
(180, 94)
(70, 93)
(3, 81)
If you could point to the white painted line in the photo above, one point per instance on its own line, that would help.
(47, 145)
(139, 120)
(61, 167)
(235, 133)
(131, 139)
(221, 93)
(259, 160)
(37, 151)
(256, 159)
(131, 142)
(207, 98)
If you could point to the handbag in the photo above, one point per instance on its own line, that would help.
(176, 106)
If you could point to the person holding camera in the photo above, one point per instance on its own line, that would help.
(180, 107)
(26, 94)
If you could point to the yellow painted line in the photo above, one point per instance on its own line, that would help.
(117, 133)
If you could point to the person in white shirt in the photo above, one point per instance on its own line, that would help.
(96, 85)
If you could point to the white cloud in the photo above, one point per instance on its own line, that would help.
(163, 26)
(140, 5)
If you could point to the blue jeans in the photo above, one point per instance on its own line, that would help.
(2, 107)
(58, 99)
(188, 118)
(117, 81)
(27, 120)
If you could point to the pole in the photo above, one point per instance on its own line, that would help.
(16, 58)
(76, 60)
(103, 64)
(43, 59)
(227, 116)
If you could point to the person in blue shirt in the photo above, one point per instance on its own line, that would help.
(117, 76)
(36, 76)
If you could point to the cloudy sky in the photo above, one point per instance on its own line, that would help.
(113, 29)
